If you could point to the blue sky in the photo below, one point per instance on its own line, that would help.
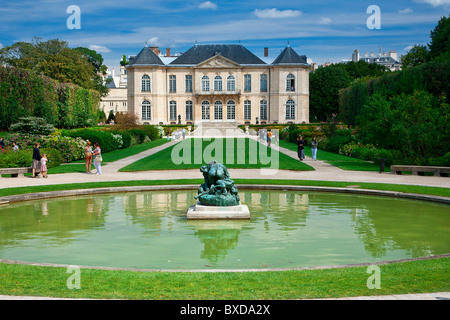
(320, 29)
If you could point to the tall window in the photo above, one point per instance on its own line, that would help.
(218, 83)
(205, 110)
(263, 110)
(247, 83)
(189, 110)
(231, 110)
(263, 83)
(145, 83)
(172, 110)
(218, 110)
(172, 83)
(231, 84)
(146, 110)
(247, 110)
(290, 82)
(188, 81)
(290, 110)
(205, 84)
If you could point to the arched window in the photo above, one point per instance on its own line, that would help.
(231, 84)
(172, 110)
(189, 110)
(290, 110)
(263, 110)
(231, 110)
(146, 110)
(145, 83)
(247, 110)
(218, 83)
(290, 82)
(218, 110)
(205, 110)
(205, 84)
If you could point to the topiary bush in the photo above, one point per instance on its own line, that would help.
(32, 125)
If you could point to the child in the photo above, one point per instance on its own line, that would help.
(44, 165)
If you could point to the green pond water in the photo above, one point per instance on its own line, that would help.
(286, 230)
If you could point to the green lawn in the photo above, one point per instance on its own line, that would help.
(242, 153)
(396, 278)
(337, 160)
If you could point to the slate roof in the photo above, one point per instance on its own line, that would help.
(289, 57)
(146, 58)
(234, 52)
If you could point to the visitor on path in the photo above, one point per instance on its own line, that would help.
(98, 158)
(36, 165)
(184, 133)
(44, 165)
(15, 147)
(269, 137)
(88, 153)
(300, 148)
(314, 144)
(2, 144)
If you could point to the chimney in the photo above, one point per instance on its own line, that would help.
(168, 52)
(156, 50)
(266, 52)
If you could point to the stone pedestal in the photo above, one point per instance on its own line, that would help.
(200, 211)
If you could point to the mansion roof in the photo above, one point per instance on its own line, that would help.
(233, 52)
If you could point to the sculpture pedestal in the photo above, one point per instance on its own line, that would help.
(200, 211)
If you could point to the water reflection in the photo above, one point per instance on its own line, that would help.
(286, 229)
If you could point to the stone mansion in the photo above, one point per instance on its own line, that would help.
(214, 83)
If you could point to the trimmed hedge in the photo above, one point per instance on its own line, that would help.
(105, 139)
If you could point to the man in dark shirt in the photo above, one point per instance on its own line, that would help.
(36, 159)
(300, 148)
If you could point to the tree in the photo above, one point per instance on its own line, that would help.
(324, 85)
(96, 60)
(418, 54)
(440, 38)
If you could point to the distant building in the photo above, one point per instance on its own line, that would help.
(218, 83)
(389, 60)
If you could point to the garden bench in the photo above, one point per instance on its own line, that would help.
(420, 170)
(16, 172)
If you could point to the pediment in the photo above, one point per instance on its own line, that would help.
(218, 61)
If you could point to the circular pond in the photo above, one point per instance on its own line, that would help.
(149, 230)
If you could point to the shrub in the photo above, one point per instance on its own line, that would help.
(53, 156)
(32, 125)
(152, 132)
(126, 138)
(18, 159)
(138, 134)
(105, 139)
(338, 139)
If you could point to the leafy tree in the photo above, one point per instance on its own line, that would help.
(440, 38)
(96, 60)
(418, 54)
(325, 84)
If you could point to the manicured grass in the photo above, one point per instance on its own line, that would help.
(337, 160)
(240, 153)
(437, 191)
(396, 278)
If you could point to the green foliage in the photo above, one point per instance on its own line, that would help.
(337, 140)
(440, 38)
(53, 156)
(32, 125)
(418, 54)
(138, 134)
(104, 139)
(19, 159)
(152, 132)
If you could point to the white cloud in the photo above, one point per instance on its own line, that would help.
(405, 11)
(435, 3)
(208, 5)
(1, 45)
(153, 41)
(324, 20)
(275, 13)
(408, 48)
(97, 48)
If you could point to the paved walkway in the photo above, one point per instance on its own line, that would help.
(323, 171)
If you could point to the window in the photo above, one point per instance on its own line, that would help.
(189, 109)
(172, 110)
(247, 83)
(218, 83)
(188, 83)
(145, 82)
(231, 84)
(247, 110)
(205, 110)
(146, 110)
(218, 110)
(205, 84)
(290, 82)
(263, 110)
(172, 84)
(290, 110)
(231, 110)
(263, 83)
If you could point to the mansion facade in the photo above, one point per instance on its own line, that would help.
(218, 83)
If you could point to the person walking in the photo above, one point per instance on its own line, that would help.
(269, 138)
(36, 165)
(98, 158)
(15, 147)
(88, 156)
(300, 148)
(2, 144)
(44, 165)
(314, 144)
